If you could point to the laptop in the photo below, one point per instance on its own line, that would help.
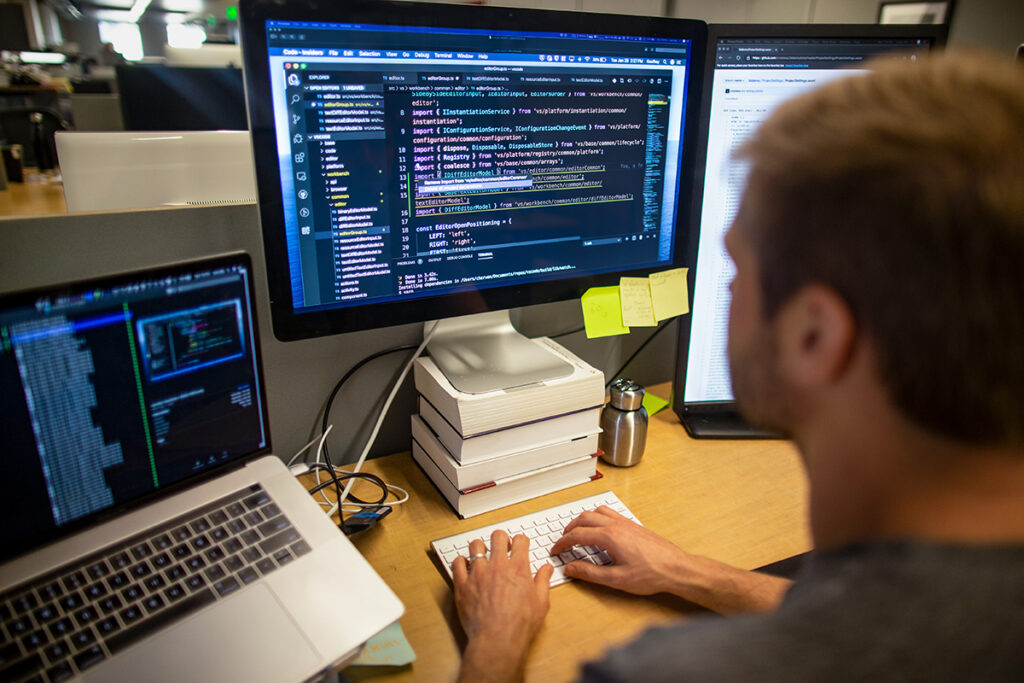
(147, 533)
(751, 68)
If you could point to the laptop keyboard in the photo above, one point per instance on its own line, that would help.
(77, 616)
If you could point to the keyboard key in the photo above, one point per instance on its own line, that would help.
(46, 613)
(162, 542)
(236, 526)
(91, 657)
(5, 612)
(215, 573)
(129, 636)
(248, 575)
(181, 551)
(74, 581)
(233, 545)
(181, 534)
(110, 604)
(71, 602)
(174, 573)
(235, 509)
(25, 603)
(131, 614)
(214, 555)
(132, 593)
(195, 563)
(22, 668)
(200, 525)
(98, 570)
(60, 672)
(61, 627)
(299, 549)
(255, 501)
(82, 639)
(19, 626)
(95, 591)
(9, 652)
(155, 582)
(273, 526)
(175, 593)
(218, 517)
(153, 603)
(108, 626)
(266, 565)
(140, 570)
(283, 557)
(195, 582)
(33, 640)
(162, 560)
(253, 518)
(118, 580)
(233, 563)
(200, 543)
(50, 592)
(226, 586)
(219, 534)
(270, 510)
(279, 540)
(57, 651)
(252, 554)
(120, 561)
(86, 615)
(250, 537)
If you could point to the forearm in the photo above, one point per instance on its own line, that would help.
(726, 589)
(492, 660)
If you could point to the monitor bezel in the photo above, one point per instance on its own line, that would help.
(289, 325)
(27, 297)
(936, 32)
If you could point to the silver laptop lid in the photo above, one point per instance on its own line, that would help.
(120, 389)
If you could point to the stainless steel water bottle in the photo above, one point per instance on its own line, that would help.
(624, 424)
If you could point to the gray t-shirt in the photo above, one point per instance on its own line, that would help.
(907, 611)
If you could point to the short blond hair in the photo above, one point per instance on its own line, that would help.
(903, 190)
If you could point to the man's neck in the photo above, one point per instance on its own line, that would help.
(875, 475)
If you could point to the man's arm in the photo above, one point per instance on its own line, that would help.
(501, 606)
(645, 563)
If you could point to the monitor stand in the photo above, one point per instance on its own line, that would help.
(483, 352)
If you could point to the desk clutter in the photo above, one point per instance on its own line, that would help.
(485, 451)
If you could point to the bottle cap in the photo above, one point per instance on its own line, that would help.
(626, 394)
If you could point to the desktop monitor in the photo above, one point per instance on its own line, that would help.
(108, 171)
(751, 69)
(158, 97)
(208, 54)
(417, 162)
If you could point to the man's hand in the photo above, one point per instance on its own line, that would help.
(501, 606)
(644, 563)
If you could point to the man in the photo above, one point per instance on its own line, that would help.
(877, 319)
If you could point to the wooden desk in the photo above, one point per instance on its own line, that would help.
(32, 198)
(743, 502)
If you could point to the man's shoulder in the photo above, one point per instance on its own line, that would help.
(908, 609)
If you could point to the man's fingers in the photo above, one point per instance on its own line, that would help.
(520, 548)
(499, 545)
(590, 518)
(592, 573)
(583, 535)
(542, 581)
(460, 571)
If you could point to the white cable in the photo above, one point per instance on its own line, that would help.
(380, 418)
(302, 450)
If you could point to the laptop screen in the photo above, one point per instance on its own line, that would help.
(752, 70)
(117, 388)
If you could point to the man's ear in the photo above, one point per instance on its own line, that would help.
(816, 331)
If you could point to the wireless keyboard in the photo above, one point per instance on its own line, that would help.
(543, 528)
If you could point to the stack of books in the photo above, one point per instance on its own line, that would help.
(486, 451)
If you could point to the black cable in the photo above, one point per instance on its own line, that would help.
(337, 387)
(336, 478)
(629, 360)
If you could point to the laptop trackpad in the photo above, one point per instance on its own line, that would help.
(247, 638)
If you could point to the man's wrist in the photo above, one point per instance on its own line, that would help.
(493, 658)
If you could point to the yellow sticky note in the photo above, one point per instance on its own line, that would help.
(637, 310)
(602, 312)
(654, 404)
(669, 293)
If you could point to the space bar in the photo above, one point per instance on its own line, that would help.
(129, 637)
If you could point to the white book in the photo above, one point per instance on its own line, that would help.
(482, 472)
(553, 430)
(497, 494)
(473, 414)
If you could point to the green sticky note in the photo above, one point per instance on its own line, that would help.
(387, 648)
(602, 312)
(637, 311)
(669, 294)
(654, 404)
